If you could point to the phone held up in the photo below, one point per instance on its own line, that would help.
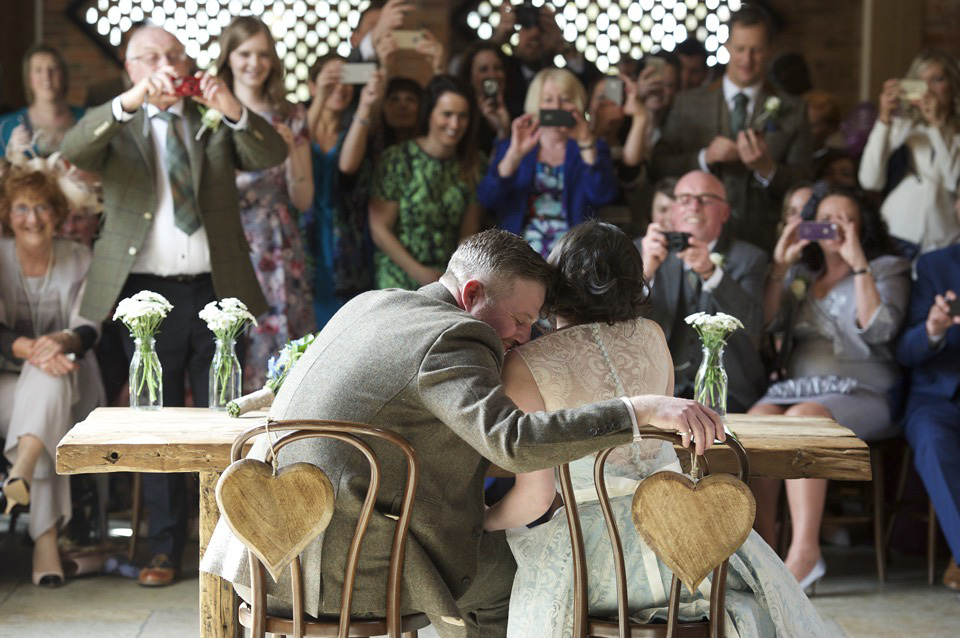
(527, 15)
(357, 72)
(187, 87)
(557, 117)
(816, 231)
(954, 305)
(613, 90)
(490, 88)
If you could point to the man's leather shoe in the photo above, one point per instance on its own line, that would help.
(159, 573)
(951, 577)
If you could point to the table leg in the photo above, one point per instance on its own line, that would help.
(218, 603)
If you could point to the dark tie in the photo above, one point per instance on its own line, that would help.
(185, 214)
(692, 289)
(738, 119)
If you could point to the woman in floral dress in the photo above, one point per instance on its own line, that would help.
(270, 199)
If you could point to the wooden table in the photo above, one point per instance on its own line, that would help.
(198, 440)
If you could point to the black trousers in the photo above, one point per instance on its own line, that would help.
(185, 347)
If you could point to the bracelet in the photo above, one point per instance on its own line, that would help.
(587, 147)
(863, 271)
(361, 120)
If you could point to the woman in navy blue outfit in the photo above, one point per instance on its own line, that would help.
(545, 180)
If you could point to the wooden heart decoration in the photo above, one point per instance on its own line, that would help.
(693, 527)
(276, 517)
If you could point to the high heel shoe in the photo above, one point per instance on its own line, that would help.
(48, 579)
(17, 491)
(809, 582)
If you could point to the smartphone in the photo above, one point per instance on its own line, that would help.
(407, 38)
(491, 87)
(653, 62)
(911, 90)
(954, 307)
(527, 16)
(557, 117)
(677, 241)
(613, 90)
(187, 87)
(357, 72)
(816, 231)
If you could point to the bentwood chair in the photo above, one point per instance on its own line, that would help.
(584, 624)
(255, 617)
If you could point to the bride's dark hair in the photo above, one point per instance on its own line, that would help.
(599, 275)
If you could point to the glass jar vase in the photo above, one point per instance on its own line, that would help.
(710, 384)
(146, 375)
(225, 374)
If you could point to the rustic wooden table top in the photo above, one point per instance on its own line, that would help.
(199, 440)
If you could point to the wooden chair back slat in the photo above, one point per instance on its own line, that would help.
(296, 583)
(258, 595)
(349, 433)
(581, 621)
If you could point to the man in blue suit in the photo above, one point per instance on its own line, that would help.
(931, 347)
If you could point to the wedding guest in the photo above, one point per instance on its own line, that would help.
(604, 347)
(48, 375)
(663, 200)
(759, 144)
(919, 207)
(270, 199)
(42, 123)
(423, 199)
(482, 68)
(715, 272)
(840, 304)
(693, 63)
(546, 179)
(167, 233)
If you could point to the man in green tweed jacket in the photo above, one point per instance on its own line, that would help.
(172, 225)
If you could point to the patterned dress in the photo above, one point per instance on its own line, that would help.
(276, 250)
(548, 220)
(432, 198)
(576, 366)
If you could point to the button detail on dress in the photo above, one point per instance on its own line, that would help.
(132, 250)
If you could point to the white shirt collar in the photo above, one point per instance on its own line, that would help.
(730, 91)
(176, 108)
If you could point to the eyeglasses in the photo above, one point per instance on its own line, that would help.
(704, 199)
(153, 58)
(22, 211)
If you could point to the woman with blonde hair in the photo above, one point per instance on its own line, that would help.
(270, 199)
(926, 125)
(549, 176)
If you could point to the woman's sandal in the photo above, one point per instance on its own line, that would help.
(17, 491)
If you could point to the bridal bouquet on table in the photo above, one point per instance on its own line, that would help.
(142, 314)
(277, 370)
(710, 384)
(226, 320)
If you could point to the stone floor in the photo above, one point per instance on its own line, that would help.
(108, 606)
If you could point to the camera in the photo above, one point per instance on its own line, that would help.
(677, 241)
(528, 16)
(187, 87)
(491, 87)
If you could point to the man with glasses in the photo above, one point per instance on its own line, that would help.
(712, 273)
(172, 225)
(740, 129)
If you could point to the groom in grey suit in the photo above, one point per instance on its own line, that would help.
(714, 274)
(426, 364)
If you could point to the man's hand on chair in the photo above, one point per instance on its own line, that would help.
(694, 422)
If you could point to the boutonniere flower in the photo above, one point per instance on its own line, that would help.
(717, 260)
(209, 119)
(771, 110)
(799, 288)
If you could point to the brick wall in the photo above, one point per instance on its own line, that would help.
(826, 31)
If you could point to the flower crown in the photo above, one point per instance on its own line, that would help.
(81, 193)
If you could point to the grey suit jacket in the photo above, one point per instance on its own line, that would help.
(415, 363)
(124, 157)
(699, 115)
(739, 293)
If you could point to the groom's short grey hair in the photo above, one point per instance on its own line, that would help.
(497, 258)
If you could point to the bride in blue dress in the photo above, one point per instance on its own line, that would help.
(604, 348)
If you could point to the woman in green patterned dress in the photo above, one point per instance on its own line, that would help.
(423, 199)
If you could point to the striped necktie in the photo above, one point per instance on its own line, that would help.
(185, 215)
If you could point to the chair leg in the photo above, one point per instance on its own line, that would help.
(136, 494)
(931, 543)
(898, 497)
(880, 548)
(103, 493)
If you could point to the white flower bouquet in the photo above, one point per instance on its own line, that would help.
(710, 385)
(142, 314)
(226, 320)
(278, 368)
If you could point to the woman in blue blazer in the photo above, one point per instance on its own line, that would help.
(546, 179)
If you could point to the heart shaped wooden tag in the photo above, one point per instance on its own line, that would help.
(275, 516)
(691, 526)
